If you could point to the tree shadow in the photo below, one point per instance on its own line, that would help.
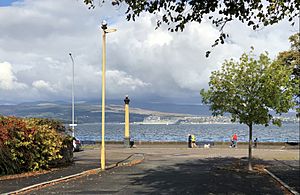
(207, 176)
(287, 171)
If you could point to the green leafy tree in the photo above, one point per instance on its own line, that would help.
(249, 90)
(291, 58)
(176, 14)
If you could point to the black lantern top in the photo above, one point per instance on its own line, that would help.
(104, 25)
(126, 100)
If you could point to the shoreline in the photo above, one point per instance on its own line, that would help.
(183, 142)
(168, 144)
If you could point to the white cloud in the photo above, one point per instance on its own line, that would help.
(43, 85)
(8, 81)
(124, 83)
(37, 36)
(159, 37)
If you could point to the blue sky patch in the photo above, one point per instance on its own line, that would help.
(7, 2)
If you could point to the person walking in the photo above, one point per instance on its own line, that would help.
(255, 142)
(234, 141)
(194, 145)
(189, 141)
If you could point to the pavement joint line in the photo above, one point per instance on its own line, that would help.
(281, 182)
(87, 172)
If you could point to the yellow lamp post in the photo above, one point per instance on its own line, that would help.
(105, 31)
(126, 138)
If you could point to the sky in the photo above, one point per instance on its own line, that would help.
(146, 64)
(7, 2)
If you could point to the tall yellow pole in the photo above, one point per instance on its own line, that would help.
(105, 30)
(103, 100)
(126, 138)
(126, 121)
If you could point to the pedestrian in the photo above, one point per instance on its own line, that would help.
(194, 145)
(255, 142)
(189, 141)
(234, 141)
(131, 142)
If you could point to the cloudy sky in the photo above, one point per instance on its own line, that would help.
(147, 64)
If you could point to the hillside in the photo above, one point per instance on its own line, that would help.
(84, 112)
(90, 112)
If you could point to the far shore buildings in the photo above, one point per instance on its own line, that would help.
(168, 120)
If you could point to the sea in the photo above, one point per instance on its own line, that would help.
(288, 132)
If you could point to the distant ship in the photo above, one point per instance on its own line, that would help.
(158, 120)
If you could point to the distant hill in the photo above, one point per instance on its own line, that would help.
(90, 111)
(85, 112)
(169, 107)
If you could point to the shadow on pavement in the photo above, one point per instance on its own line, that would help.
(207, 176)
(81, 165)
(287, 171)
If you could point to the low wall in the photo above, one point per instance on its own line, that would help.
(277, 145)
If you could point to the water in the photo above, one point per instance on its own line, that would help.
(203, 132)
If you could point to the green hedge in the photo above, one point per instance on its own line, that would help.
(29, 144)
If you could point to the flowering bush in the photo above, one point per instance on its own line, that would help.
(29, 144)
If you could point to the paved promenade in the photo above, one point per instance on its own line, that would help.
(172, 169)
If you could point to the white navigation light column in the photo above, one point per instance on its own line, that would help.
(105, 31)
(73, 125)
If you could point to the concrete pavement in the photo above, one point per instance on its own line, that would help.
(174, 169)
(84, 162)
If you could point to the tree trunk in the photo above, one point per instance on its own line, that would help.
(250, 148)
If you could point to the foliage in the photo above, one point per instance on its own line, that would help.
(11, 129)
(249, 90)
(29, 144)
(55, 124)
(7, 164)
(291, 58)
(177, 14)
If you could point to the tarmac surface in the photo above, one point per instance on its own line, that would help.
(171, 169)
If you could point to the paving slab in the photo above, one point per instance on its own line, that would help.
(167, 169)
(83, 161)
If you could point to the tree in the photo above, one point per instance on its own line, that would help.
(291, 58)
(177, 13)
(249, 90)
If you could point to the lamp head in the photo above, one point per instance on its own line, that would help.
(126, 100)
(104, 25)
(70, 53)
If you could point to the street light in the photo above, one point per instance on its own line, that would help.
(73, 112)
(126, 137)
(105, 31)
